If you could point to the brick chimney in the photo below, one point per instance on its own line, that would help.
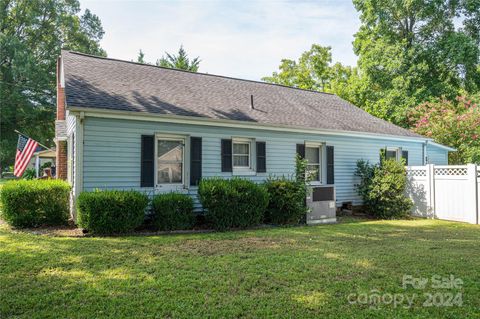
(60, 126)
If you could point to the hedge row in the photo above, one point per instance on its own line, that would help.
(111, 211)
(233, 203)
(287, 201)
(31, 203)
(229, 203)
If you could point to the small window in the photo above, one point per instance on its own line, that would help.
(391, 154)
(169, 161)
(312, 155)
(394, 153)
(241, 154)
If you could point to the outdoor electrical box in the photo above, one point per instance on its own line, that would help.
(321, 203)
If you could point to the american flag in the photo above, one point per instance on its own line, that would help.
(25, 148)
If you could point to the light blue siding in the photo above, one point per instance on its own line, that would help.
(437, 155)
(111, 152)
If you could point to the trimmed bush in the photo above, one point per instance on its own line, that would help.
(382, 188)
(111, 211)
(233, 202)
(173, 211)
(31, 203)
(287, 201)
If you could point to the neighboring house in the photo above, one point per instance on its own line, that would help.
(125, 125)
(40, 157)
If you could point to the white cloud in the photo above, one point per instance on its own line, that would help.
(244, 39)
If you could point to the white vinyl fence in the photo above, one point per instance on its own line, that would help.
(445, 192)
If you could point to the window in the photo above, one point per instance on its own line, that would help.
(312, 155)
(241, 154)
(391, 154)
(395, 153)
(170, 159)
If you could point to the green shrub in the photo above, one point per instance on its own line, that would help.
(382, 188)
(31, 203)
(233, 202)
(173, 211)
(29, 174)
(111, 211)
(287, 201)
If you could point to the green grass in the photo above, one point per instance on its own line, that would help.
(300, 272)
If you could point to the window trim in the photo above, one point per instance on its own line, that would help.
(321, 161)
(398, 152)
(249, 154)
(171, 137)
(244, 170)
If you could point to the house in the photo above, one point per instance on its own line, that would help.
(125, 125)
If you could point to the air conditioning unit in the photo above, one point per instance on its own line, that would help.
(321, 205)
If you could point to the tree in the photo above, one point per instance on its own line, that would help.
(179, 61)
(314, 71)
(451, 122)
(311, 72)
(141, 57)
(411, 51)
(31, 36)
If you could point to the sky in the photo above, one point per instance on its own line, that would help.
(244, 39)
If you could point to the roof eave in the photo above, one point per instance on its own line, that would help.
(448, 148)
(107, 113)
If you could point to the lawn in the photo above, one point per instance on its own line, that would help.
(299, 272)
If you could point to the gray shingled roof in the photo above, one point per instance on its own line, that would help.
(103, 83)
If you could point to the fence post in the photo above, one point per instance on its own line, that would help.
(477, 177)
(472, 197)
(477, 192)
(431, 189)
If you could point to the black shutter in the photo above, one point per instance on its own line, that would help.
(147, 161)
(330, 165)
(195, 160)
(405, 157)
(383, 154)
(301, 150)
(261, 157)
(226, 155)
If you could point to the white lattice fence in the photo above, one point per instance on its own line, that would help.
(445, 192)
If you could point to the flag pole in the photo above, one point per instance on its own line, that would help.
(18, 132)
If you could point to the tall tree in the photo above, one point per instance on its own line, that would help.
(179, 61)
(411, 51)
(314, 71)
(31, 35)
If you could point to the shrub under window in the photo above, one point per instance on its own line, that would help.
(382, 188)
(233, 202)
(287, 201)
(111, 211)
(173, 211)
(31, 203)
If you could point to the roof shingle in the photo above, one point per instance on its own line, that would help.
(103, 83)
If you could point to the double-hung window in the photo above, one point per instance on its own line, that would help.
(313, 155)
(241, 154)
(395, 153)
(170, 160)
